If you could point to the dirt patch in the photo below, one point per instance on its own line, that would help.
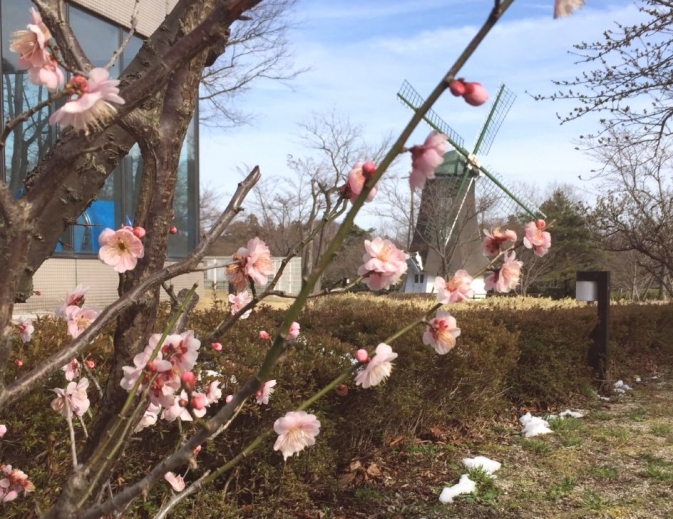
(616, 462)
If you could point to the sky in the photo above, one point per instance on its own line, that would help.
(359, 53)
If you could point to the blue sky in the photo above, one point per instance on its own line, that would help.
(359, 53)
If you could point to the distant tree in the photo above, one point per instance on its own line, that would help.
(630, 83)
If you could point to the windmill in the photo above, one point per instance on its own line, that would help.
(447, 237)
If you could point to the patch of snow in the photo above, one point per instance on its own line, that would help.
(572, 414)
(638, 380)
(534, 425)
(482, 462)
(464, 486)
(606, 398)
(620, 385)
(208, 373)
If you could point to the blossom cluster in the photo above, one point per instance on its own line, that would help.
(250, 263)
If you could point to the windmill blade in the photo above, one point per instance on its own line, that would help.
(413, 100)
(496, 115)
(506, 201)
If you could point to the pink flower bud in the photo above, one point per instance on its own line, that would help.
(342, 390)
(196, 450)
(90, 364)
(475, 94)
(229, 398)
(139, 232)
(37, 293)
(199, 401)
(188, 380)
(18, 363)
(216, 346)
(540, 223)
(362, 356)
(457, 88)
(264, 335)
(368, 169)
(173, 229)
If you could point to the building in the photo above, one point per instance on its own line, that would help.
(100, 26)
(447, 222)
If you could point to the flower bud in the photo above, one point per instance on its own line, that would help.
(229, 398)
(475, 94)
(18, 363)
(139, 232)
(540, 223)
(457, 88)
(199, 401)
(90, 364)
(173, 229)
(368, 169)
(37, 293)
(342, 390)
(188, 380)
(196, 450)
(264, 335)
(362, 356)
(216, 346)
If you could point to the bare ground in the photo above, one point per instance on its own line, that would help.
(617, 462)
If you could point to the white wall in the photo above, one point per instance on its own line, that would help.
(289, 282)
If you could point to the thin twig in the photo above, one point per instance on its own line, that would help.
(132, 30)
(68, 417)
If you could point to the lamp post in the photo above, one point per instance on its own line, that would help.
(595, 286)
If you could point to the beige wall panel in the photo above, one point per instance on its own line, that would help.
(150, 12)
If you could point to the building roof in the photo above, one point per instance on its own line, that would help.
(150, 12)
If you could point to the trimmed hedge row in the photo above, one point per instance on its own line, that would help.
(509, 355)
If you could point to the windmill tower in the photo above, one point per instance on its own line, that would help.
(447, 235)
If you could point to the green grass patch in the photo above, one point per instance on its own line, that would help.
(658, 468)
(603, 472)
(661, 429)
(537, 446)
(566, 486)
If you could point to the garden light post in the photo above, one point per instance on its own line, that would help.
(595, 286)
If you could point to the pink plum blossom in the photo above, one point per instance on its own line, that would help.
(563, 8)
(536, 238)
(217, 346)
(229, 398)
(296, 431)
(120, 249)
(264, 335)
(213, 392)
(14, 482)
(77, 399)
(26, 328)
(355, 183)
(384, 264)
(79, 319)
(178, 408)
(49, 74)
(378, 368)
(238, 301)
(138, 370)
(253, 262)
(75, 297)
(3, 430)
(456, 289)
(181, 350)
(92, 105)
(293, 332)
(497, 240)
(31, 44)
(199, 401)
(426, 158)
(442, 332)
(149, 418)
(71, 369)
(507, 277)
(265, 392)
(175, 481)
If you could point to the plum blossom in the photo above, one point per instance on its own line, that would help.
(75, 297)
(441, 333)
(213, 392)
(425, 158)
(159, 365)
(355, 182)
(79, 319)
(497, 240)
(120, 249)
(265, 392)
(293, 332)
(26, 329)
(507, 277)
(14, 482)
(178, 407)
(71, 369)
(217, 346)
(175, 481)
(3, 429)
(456, 289)
(238, 301)
(92, 105)
(296, 430)
(563, 8)
(181, 350)
(253, 261)
(149, 418)
(75, 394)
(31, 45)
(264, 335)
(383, 265)
(378, 368)
(537, 239)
